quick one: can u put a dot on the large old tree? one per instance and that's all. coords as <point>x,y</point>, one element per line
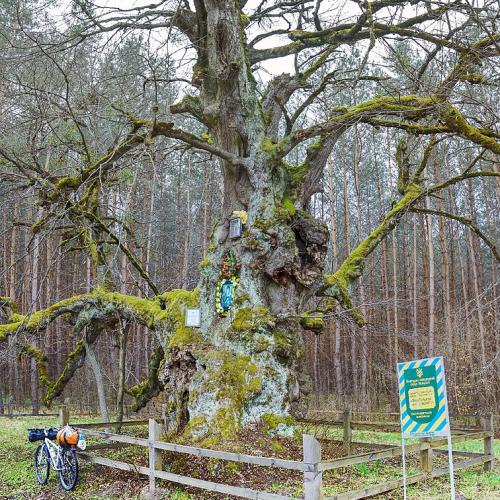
<point>246,361</point>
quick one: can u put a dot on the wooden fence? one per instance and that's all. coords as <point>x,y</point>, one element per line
<point>320,422</point>
<point>312,466</point>
<point>154,469</point>
<point>425,449</point>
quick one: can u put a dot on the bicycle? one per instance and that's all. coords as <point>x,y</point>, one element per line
<point>61,458</point>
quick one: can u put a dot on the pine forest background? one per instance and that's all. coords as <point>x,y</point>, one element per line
<point>431,287</point>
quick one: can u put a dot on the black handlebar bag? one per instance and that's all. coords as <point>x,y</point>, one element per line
<point>39,434</point>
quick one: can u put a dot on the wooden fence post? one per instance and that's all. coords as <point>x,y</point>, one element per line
<point>312,480</point>
<point>155,459</point>
<point>426,457</point>
<point>347,432</point>
<point>63,416</point>
<point>488,442</point>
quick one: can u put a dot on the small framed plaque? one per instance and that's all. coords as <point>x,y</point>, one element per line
<point>193,317</point>
<point>235,227</point>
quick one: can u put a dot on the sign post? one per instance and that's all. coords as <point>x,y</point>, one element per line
<point>423,406</point>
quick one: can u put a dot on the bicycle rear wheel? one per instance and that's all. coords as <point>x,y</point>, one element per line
<point>42,464</point>
<point>68,475</point>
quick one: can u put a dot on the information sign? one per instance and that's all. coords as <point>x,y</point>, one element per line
<point>422,398</point>
<point>423,405</point>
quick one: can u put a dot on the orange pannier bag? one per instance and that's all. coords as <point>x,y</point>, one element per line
<point>67,436</point>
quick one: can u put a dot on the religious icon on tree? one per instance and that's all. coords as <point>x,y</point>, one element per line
<point>226,287</point>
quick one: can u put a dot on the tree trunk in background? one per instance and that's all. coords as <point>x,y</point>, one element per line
<point>363,333</point>
<point>49,286</point>
<point>395,297</point>
<point>187,229</point>
<point>415,289</point>
<point>404,272</point>
<point>57,294</point>
<point>92,359</point>
<point>492,220</point>
<point>123,336</point>
<point>476,265</point>
<point>394,252</point>
<point>465,296</point>
<point>347,232</point>
<point>206,202</point>
<point>432,283</point>
<point>477,299</point>
<point>6,244</point>
<point>387,300</point>
<point>13,253</point>
<point>445,272</point>
<point>146,344</point>
<point>35,304</point>
<point>335,259</point>
<point>96,369</point>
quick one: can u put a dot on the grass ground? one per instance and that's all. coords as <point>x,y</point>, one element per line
<point>17,479</point>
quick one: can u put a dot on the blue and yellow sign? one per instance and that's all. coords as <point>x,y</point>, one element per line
<point>422,398</point>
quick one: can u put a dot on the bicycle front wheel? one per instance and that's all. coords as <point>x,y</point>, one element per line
<point>68,473</point>
<point>42,464</point>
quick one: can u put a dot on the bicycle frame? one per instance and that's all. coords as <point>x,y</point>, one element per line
<point>54,454</point>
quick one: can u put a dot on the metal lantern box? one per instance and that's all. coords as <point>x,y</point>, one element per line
<point>235,228</point>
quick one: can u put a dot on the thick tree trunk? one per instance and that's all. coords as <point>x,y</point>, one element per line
<point>245,362</point>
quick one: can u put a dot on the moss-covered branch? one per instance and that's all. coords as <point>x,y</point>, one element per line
<point>464,220</point>
<point>166,308</point>
<point>36,353</point>
<point>338,284</point>
<point>348,33</point>
<point>9,303</point>
<point>150,386</point>
<point>408,111</point>
<point>466,175</point>
<point>142,132</point>
<point>128,253</point>
<point>38,320</point>
<point>74,360</point>
<point>100,309</point>
<point>54,388</point>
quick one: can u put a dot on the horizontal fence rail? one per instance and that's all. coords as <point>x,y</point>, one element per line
<point>204,452</point>
<point>186,480</point>
<point>312,466</point>
<point>126,423</point>
<point>396,451</point>
<point>153,469</point>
